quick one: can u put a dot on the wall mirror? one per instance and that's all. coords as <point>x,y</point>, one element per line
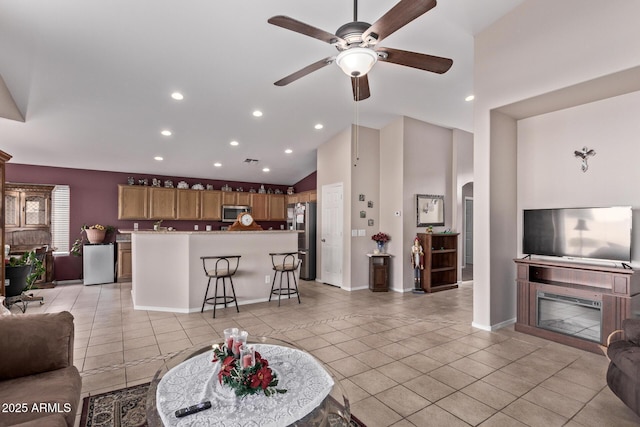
<point>430,210</point>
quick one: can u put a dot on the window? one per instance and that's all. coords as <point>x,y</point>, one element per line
<point>60,219</point>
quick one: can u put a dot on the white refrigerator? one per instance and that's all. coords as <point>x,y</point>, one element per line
<point>98,264</point>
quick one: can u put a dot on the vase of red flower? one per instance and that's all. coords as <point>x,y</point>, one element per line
<point>381,240</point>
<point>245,373</point>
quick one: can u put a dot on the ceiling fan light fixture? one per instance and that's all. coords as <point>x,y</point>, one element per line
<point>356,61</point>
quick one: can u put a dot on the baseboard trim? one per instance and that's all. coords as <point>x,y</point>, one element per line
<point>495,327</point>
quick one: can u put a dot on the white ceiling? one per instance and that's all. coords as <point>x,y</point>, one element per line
<point>93,80</point>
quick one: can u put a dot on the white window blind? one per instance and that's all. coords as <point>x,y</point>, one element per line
<point>60,218</point>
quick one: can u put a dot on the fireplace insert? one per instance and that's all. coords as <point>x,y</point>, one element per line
<point>570,315</point>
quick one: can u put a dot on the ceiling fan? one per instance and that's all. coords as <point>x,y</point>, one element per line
<point>357,45</point>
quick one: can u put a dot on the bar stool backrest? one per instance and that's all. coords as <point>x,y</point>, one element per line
<point>285,261</point>
<point>220,266</point>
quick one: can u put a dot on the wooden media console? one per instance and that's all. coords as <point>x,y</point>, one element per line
<point>572,303</point>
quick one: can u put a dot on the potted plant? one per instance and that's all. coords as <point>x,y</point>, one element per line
<point>93,234</point>
<point>22,272</point>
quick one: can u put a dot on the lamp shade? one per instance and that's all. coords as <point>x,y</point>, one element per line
<point>357,61</point>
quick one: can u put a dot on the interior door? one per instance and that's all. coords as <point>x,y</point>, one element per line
<point>332,234</point>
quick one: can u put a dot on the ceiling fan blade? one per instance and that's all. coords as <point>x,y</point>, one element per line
<point>360,87</point>
<point>306,70</point>
<point>306,29</point>
<point>397,17</point>
<point>421,61</point>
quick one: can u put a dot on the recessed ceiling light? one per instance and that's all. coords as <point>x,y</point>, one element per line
<point>177,96</point>
<point>265,169</point>
<point>158,158</point>
<point>469,98</point>
<point>234,143</point>
<point>166,132</point>
<point>319,126</point>
<point>257,113</point>
<point>288,151</point>
<point>217,164</point>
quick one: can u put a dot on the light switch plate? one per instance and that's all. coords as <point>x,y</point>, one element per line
<point>362,233</point>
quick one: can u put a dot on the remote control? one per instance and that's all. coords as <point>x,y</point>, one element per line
<point>193,409</point>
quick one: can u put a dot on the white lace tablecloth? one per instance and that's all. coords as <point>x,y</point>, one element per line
<point>306,381</point>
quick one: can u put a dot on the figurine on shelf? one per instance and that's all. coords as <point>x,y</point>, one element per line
<point>417,262</point>
<point>131,181</point>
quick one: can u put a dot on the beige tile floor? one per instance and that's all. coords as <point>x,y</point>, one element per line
<point>404,359</point>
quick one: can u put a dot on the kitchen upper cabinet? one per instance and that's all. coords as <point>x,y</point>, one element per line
<point>188,204</point>
<point>211,205</point>
<point>27,206</point>
<point>277,207</point>
<point>133,202</point>
<point>260,206</point>
<point>162,203</point>
<point>236,198</point>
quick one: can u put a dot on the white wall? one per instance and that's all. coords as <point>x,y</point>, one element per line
<point>428,154</point>
<point>365,179</point>
<point>334,166</point>
<point>541,46</point>
<point>391,179</point>
<point>549,176</point>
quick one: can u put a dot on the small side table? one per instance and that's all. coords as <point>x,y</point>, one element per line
<point>379,272</point>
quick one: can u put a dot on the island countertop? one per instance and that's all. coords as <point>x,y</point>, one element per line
<point>207,232</point>
<point>168,274</point>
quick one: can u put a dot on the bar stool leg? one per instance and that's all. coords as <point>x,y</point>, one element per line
<point>233,290</point>
<point>295,282</point>
<point>215,300</point>
<point>273,283</point>
<point>280,292</point>
<point>204,301</point>
<point>224,291</point>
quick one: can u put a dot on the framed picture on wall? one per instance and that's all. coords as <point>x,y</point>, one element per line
<point>429,210</point>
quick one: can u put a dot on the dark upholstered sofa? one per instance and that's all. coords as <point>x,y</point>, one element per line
<point>39,386</point>
<point>623,376</point>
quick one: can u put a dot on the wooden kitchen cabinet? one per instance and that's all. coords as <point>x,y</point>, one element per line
<point>133,202</point>
<point>188,206</point>
<point>277,207</point>
<point>162,203</point>
<point>236,198</point>
<point>211,205</point>
<point>260,206</point>
<point>125,269</point>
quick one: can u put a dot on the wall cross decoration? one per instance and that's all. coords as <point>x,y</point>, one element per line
<point>584,156</point>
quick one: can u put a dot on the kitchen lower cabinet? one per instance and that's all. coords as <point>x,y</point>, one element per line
<point>125,269</point>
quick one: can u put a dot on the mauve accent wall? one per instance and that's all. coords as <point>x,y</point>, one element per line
<point>308,183</point>
<point>94,200</point>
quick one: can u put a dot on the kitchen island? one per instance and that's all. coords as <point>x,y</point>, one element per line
<point>168,273</point>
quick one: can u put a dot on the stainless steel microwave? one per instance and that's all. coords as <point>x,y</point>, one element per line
<point>230,213</point>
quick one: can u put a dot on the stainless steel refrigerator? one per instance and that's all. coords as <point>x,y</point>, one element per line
<point>302,216</point>
<point>98,264</point>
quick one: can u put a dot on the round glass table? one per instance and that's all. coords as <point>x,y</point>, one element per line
<point>314,396</point>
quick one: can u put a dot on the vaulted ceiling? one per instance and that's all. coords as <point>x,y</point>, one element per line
<point>93,81</point>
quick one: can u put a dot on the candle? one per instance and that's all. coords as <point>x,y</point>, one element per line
<point>229,342</point>
<point>236,347</point>
<point>246,361</point>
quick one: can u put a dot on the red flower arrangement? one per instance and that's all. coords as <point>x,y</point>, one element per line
<point>245,380</point>
<point>381,237</point>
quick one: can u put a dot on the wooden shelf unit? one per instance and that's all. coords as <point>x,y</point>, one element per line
<point>616,289</point>
<point>379,272</point>
<point>440,261</point>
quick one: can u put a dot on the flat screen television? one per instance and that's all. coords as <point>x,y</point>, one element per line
<point>593,233</point>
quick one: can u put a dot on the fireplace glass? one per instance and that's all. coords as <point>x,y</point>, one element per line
<point>577,317</point>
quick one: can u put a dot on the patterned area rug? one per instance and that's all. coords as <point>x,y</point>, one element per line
<point>126,408</point>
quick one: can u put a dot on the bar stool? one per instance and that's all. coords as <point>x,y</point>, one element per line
<point>285,263</point>
<point>220,267</point>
